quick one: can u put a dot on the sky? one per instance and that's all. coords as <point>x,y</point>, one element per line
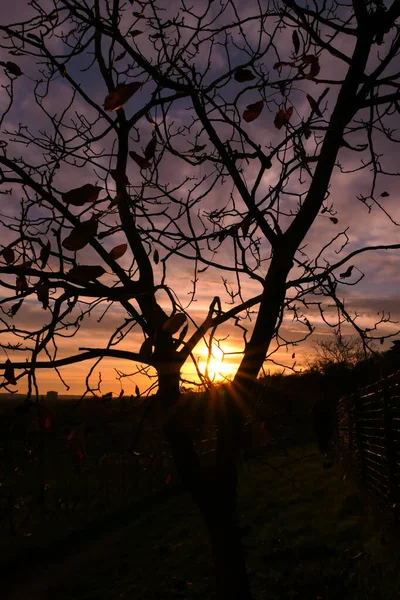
<point>377,291</point>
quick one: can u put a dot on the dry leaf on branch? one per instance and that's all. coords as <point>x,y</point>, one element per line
<point>119,177</point>
<point>140,160</point>
<point>312,60</point>
<point>283,63</point>
<point>15,308</point>
<point>9,372</point>
<point>296,41</point>
<point>45,418</point>
<point>12,68</point>
<point>85,273</point>
<point>44,254</point>
<point>115,100</point>
<point>174,323</point>
<point>81,235</point>
<point>21,284</point>
<point>118,251</point>
<point>253,111</point>
<point>314,105</point>
<point>151,148</point>
<point>283,117</point>
<point>243,75</point>
<point>347,273</point>
<point>9,255</point>
<point>42,292</point>
<point>82,195</point>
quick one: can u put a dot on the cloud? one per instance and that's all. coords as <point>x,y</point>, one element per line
<point>378,290</point>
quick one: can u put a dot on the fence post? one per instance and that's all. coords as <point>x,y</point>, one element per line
<point>349,421</point>
<point>360,446</point>
<point>390,450</point>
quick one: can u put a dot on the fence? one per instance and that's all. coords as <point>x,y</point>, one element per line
<point>369,434</point>
<point>61,469</point>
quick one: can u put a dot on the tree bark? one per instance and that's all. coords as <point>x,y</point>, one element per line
<point>215,491</point>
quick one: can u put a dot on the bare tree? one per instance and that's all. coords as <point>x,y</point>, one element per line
<point>344,350</point>
<point>213,131</point>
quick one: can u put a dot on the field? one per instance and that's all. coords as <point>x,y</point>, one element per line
<point>306,533</point>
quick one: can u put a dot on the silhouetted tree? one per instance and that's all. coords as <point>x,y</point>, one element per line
<point>129,133</point>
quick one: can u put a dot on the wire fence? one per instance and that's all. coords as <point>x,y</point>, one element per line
<point>61,470</point>
<point>369,438</point>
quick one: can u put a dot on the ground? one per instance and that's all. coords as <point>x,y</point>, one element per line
<point>313,540</point>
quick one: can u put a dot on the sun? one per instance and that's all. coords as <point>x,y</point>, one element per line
<point>217,370</point>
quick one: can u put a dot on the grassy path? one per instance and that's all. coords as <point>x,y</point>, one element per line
<point>307,542</point>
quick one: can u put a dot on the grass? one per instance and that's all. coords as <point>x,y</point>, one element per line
<point>310,541</point>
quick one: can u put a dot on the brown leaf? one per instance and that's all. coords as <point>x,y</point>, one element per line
<point>24,265</point>
<point>42,292</point>
<point>62,70</point>
<point>21,284</point>
<point>15,308</point>
<point>347,273</point>
<point>294,355</point>
<point>307,132</point>
<point>120,56</point>
<point>156,257</point>
<point>137,392</point>
<point>243,75</point>
<point>45,418</point>
<point>174,323</point>
<point>13,68</point>
<point>9,255</point>
<point>281,64</point>
<point>385,195</point>
<point>140,160</point>
<point>314,105</point>
<point>312,60</point>
<point>334,220</point>
<point>115,201</point>
<point>118,251</point>
<point>183,333</point>
<point>146,349</point>
<point>151,148</point>
<point>119,177</point>
<point>253,111</point>
<point>85,273</point>
<point>138,15</point>
<point>9,372</point>
<point>135,32</point>
<point>296,41</point>
<point>283,117</point>
<point>221,236</point>
<point>198,148</point>
<point>82,195</point>
<point>44,254</point>
<point>244,226</point>
<point>81,235</point>
<point>115,100</point>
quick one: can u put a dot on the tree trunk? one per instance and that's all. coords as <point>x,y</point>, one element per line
<point>232,582</point>
<point>214,492</point>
